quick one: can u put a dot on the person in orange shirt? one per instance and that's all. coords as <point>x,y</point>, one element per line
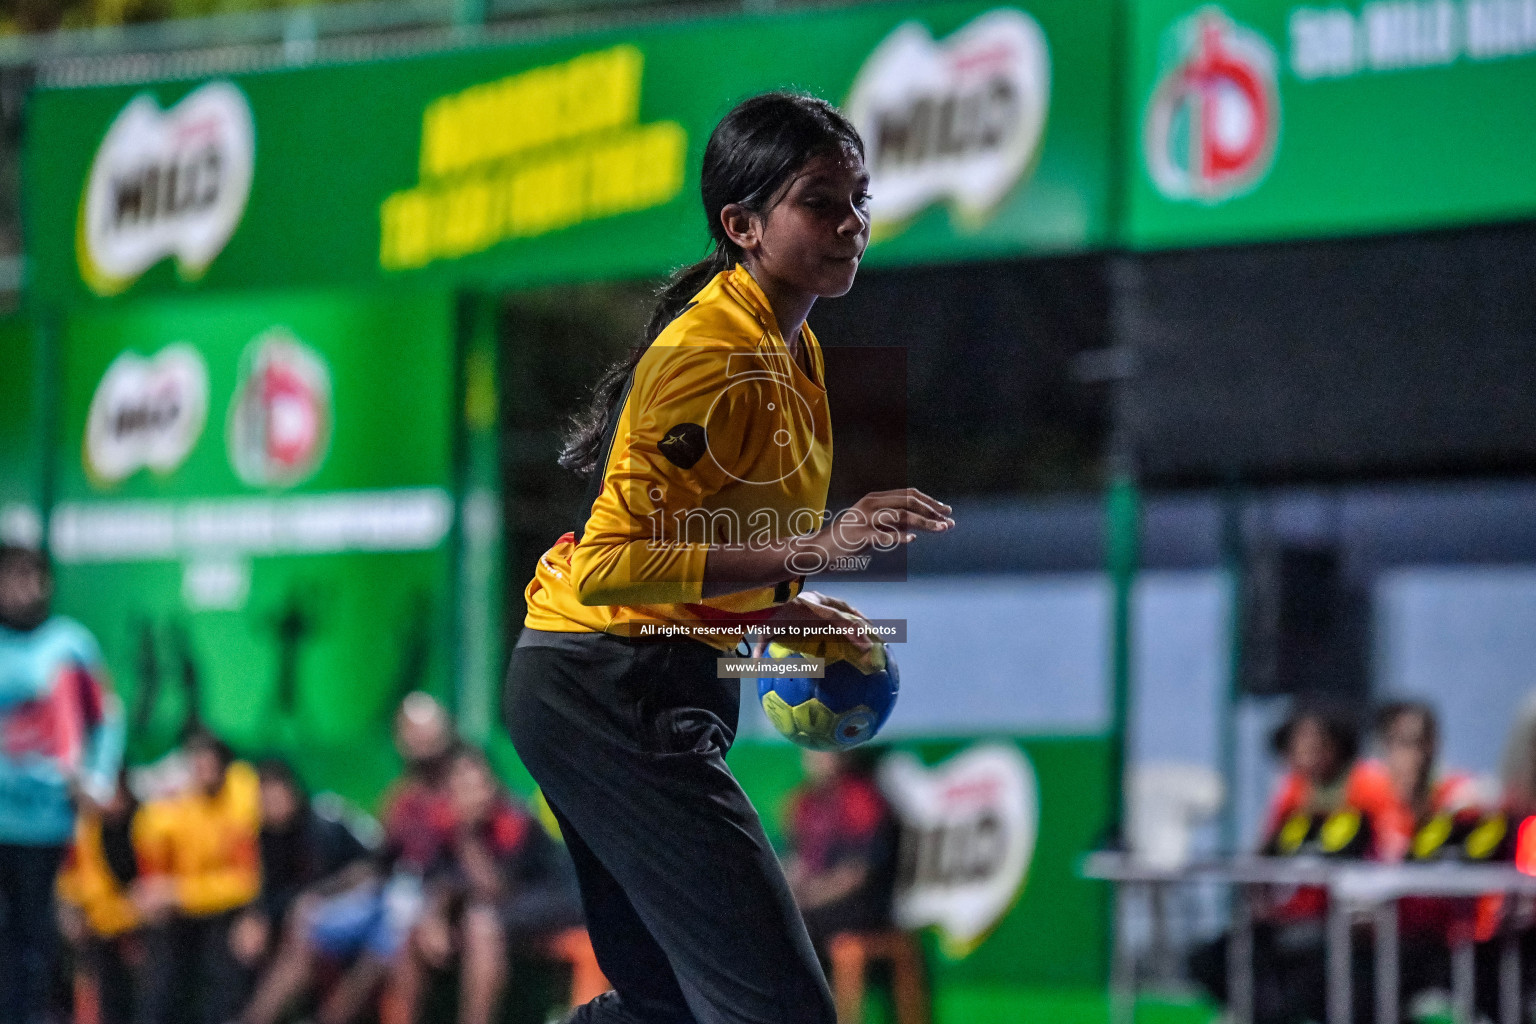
<point>1330,805</point>
<point>1450,823</point>
<point>199,868</point>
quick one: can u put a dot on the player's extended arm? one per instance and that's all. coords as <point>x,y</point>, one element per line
<point>887,519</point>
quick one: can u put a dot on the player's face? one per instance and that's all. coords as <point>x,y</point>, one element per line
<point>471,790</point>
<point>814,237</point>
<point>279,803</point>
<point>1408,749</point>
<point>422,733</point>
<point>1312,753</point>
<point>820,766</point>
<point>24,595</point>
<point>207,770</point>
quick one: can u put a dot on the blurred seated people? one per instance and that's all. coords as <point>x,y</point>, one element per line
<point>360,918</point>
<point>95,912</point>
<point>1450,823</point>
<point>300,847</point>
<point>1327,805</point>
<point>198,870</point>
<point>501,887</point>
<point>842,838</point>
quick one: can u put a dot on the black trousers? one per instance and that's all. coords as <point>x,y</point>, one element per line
<point>109,963</point>
<point>28,930</point>
<point>190,974</point>
<point>688,910</point>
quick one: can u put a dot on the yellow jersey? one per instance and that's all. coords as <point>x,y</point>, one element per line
<point>208,844</point>
<point>723,438</point>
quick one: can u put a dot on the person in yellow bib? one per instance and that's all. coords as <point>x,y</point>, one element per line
<point>199,868</point>
<point>709,453</point>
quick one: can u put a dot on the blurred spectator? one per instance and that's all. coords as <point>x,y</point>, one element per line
<point>366,913</point>
<point>199,870</point>
<point>1446,817</point>
<point>1518,768</point>
<point>842,839</point>
<point>499,886</point>
<point>1328,804</point>
<point>299,848</point>
<point>425,738</point>
<point>1409,735</point>
<point>61,742</point>
<point>96,914</point>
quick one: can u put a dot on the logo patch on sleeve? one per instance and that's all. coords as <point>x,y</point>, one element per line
<point>684,445</point>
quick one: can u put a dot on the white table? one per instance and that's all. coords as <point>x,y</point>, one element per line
<point>1354,888</point>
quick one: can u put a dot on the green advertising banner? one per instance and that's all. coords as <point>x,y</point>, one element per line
<point>21,433</point>
<point>1269,119</point>
<point>566,159</point>
<point>254,514</point>
<point>1009,909</point>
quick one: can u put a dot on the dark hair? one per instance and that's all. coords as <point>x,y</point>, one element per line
<point>275,769</point>
<point>200,738</point>
<point>1391,711</point>
<point>1337,723</point>
<point>752,154</point>
<point>14,555</point>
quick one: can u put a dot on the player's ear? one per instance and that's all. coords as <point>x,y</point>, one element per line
<point>743,227</point>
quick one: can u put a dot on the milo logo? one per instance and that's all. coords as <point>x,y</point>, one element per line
<point>146,413</point>
<point>969,827</point>
<point>959,120</point>
<point>166,183</point>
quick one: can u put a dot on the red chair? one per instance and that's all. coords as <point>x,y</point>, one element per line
<point>573,947</point>
<point>853,952</point>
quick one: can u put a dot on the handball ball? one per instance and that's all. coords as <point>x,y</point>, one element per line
<point>837,712</point>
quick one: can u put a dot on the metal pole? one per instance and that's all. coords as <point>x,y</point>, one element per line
<point>1122,986</point>
<point>1124,532</point>
<point>1509,977</point>
<point>1240,958</point>
<point>1339,955</point>
<point>1463,980</point>
<point>1387,967</point>
<point>1122,524</point>
<point>1232,561</point>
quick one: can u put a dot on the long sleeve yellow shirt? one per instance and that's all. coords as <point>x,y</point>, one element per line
<point>86,881</point>
<point>724,438</point>
<point>208,844</point>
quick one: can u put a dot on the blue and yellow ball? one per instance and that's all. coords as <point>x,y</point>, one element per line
<point>837,712</point>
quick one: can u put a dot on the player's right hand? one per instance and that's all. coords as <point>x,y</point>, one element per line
<point>812,607</point>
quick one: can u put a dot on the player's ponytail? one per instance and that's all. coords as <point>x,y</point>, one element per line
<point>753,154</point>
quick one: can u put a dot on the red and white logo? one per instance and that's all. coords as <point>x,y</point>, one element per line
<point>1214,118</point>
<point>280,418</point>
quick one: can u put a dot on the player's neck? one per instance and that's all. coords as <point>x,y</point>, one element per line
<point>790,305</point>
